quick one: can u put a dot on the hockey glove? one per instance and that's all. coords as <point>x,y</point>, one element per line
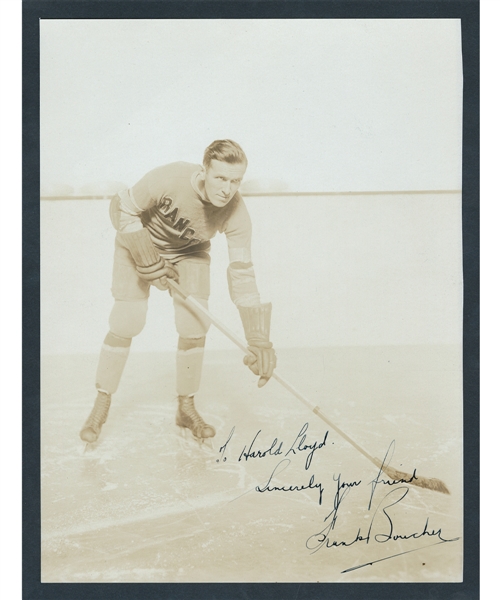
<point>261,358</point>
<point>150,266</point>
<point>158,274</point>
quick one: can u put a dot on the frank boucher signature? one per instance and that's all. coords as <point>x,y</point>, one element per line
<point>382,521</point>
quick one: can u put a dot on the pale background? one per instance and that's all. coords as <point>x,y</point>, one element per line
<point>331,106</point>
<point>325,105</point>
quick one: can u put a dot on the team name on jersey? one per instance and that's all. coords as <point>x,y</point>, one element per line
<point>178,223</point>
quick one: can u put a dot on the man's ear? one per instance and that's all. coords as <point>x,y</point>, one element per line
<point>203,173</point>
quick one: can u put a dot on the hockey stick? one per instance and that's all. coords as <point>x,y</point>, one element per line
<point>424,482</point>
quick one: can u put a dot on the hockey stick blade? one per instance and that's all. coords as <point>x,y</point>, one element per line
<point>429,483</point>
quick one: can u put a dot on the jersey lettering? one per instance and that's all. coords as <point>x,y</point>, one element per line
<point>186,235</point>
<point>172,215</point>
<point>164,204</point>
<point>182,224</point>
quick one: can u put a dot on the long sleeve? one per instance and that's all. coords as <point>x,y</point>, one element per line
<point>240,273</point>
<point>124,215</point>
<point>128,205</point>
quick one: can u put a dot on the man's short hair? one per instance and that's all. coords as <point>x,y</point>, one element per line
<point>225,151</point>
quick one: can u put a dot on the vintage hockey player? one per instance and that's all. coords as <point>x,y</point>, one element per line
<point>164,226</point>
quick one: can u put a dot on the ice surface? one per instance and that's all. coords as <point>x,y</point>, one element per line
<point>145,505</point>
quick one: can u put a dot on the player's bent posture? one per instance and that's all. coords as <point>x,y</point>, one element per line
<point>164,225</point>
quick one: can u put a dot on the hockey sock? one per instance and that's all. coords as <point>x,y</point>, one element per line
<point>114,354</point>
<point>189,365</point>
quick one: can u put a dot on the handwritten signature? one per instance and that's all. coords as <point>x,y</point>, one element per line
<point>382,526</point>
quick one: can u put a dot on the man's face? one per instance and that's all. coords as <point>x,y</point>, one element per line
<point>222,181</point>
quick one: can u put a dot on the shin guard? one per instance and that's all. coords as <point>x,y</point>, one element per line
<point>112,360</point>
<point>189,365</point>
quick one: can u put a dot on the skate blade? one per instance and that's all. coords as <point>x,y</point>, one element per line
<point>188,441</point>
<point>208,443</point>
<point>86,448</point>
<point>89,447</point>
<point>83,449</point>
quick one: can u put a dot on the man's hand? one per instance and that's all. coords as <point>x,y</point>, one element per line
<point>261,361</point>
<point>159,274</point>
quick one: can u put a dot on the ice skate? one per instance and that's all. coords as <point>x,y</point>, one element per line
<point>187,417</point>
<point>92,427</point>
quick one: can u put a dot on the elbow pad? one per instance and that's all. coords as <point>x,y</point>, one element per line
<point>242,284</point>
<point>122,219</point>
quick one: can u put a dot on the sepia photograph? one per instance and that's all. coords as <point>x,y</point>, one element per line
<point>251,320</point>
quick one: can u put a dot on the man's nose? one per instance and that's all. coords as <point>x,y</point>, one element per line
<point>226,188</point>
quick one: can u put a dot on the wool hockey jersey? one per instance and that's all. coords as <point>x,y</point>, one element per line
<point>167,202</point>
<point>181,222</point>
